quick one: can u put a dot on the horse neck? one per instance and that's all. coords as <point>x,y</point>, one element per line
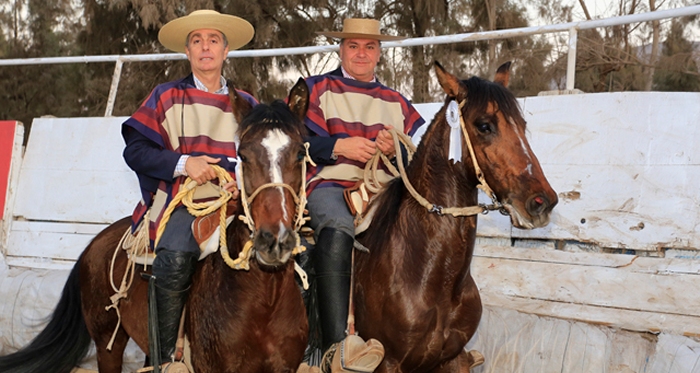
<point>428,245</point>
<point>439,180</point>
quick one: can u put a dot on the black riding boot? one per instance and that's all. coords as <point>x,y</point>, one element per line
<point>173,271</point>
<point>333,262</point>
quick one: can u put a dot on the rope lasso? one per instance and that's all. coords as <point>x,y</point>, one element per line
<point>370,175</point>
<point>186,196</point>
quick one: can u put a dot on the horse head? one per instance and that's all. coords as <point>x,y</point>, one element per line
<point>494,136</point>
<point>271,174</point>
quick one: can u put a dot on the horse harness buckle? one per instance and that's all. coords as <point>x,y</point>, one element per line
<point>437,209</point>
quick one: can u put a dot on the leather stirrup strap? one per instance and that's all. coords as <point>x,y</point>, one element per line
<point>153,335</point>
<point>351,305</point>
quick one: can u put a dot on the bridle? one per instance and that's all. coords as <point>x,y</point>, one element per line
<point>247,200</point>
<point>437,209</point>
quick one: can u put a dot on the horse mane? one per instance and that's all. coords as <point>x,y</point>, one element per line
<point>273,116</point>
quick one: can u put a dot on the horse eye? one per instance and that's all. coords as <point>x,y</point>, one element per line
<point>243,158</point>
<point>484,127</point>
<point>301,155</point>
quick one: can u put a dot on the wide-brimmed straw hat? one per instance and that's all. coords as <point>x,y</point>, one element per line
<point>360,28</point>
<point>238,31</point>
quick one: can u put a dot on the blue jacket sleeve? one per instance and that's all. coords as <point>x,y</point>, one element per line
<point>321,148</point>
<point>147,158</point>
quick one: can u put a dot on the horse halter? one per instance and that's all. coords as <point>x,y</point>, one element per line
<point>299,201</point>
<point>483,185</point>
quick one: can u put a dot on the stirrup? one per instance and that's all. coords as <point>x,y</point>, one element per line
<point>353,354</point>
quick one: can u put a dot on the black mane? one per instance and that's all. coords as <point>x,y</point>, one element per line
<point>272,116</point>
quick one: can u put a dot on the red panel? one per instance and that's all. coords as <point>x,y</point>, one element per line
<point>7,140</point>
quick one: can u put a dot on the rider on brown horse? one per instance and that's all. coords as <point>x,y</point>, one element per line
<point>183,128</point>
<point>348,118</point>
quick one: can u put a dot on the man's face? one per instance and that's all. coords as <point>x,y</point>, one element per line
<point>206,51</point>
<point>359,57</point>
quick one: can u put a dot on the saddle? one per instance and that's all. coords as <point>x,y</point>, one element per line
<point>206,228</point>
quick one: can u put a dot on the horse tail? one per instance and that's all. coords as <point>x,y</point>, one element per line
<point>62,344</point>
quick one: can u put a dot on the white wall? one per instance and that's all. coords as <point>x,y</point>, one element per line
<point>626,171</point>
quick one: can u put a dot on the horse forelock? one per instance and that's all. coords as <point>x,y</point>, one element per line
<point>481,93</point>
<point>264,118</point>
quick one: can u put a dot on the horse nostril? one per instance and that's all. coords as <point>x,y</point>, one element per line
<point>267,235</point>
<point>536,205</point>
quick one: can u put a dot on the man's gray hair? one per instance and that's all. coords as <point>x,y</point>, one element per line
<point>187,41</point>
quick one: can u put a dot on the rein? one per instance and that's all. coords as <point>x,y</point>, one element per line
<point>440,210</point>
<point>186,196</point>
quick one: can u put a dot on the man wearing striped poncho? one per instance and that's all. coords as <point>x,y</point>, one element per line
<point>181,129</point>
<point>348,117</point>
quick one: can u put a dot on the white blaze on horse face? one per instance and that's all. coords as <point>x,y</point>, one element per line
<point>521,136</point>
<point>275,142</point>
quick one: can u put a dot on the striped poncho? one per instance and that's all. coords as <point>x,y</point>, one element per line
<point>176,119</point>
<point>340,108</point>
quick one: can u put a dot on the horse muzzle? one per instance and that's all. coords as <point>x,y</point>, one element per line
<point>274,250</point>
<point>534,213</point>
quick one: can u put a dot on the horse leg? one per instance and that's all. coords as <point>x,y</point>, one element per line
<point>110,361</point>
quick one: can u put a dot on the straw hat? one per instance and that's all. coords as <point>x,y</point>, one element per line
<point>360,28</point>
<point>238,31</point>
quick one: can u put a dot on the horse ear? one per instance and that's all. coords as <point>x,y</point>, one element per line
<point>239,105</point>
<point>450,83</point>
<point>298,99</point>
<point>503,74</point>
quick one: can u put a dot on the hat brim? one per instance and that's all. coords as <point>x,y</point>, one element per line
<point>237,30</point>
<point>352,35</point>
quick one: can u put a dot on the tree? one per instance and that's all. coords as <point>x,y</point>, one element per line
<point>677,70</point>
<point>36,29</point>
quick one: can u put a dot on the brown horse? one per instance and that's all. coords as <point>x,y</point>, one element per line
<point>414,291</point>
<point>236,321</point>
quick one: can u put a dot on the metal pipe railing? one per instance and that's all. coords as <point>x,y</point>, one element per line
<point>570,27</point>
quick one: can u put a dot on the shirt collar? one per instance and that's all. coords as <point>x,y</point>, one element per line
<point>348,76</point>
<point>221,91</point>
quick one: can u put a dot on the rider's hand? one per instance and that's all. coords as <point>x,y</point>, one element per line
<point>355,148</point>
<point>232,187</point>
<point>385,142</point>
<point>199,168</point>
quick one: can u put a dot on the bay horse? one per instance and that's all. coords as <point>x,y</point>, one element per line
<point>414,291</point>
<point>236,321</point>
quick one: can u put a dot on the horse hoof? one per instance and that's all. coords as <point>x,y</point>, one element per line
<point>476,358</point>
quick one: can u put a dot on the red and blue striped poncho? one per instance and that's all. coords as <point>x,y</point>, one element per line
<point>176,119</point>
<point>341,107</point>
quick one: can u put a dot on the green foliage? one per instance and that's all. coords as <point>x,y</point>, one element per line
<point>677,69</point>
